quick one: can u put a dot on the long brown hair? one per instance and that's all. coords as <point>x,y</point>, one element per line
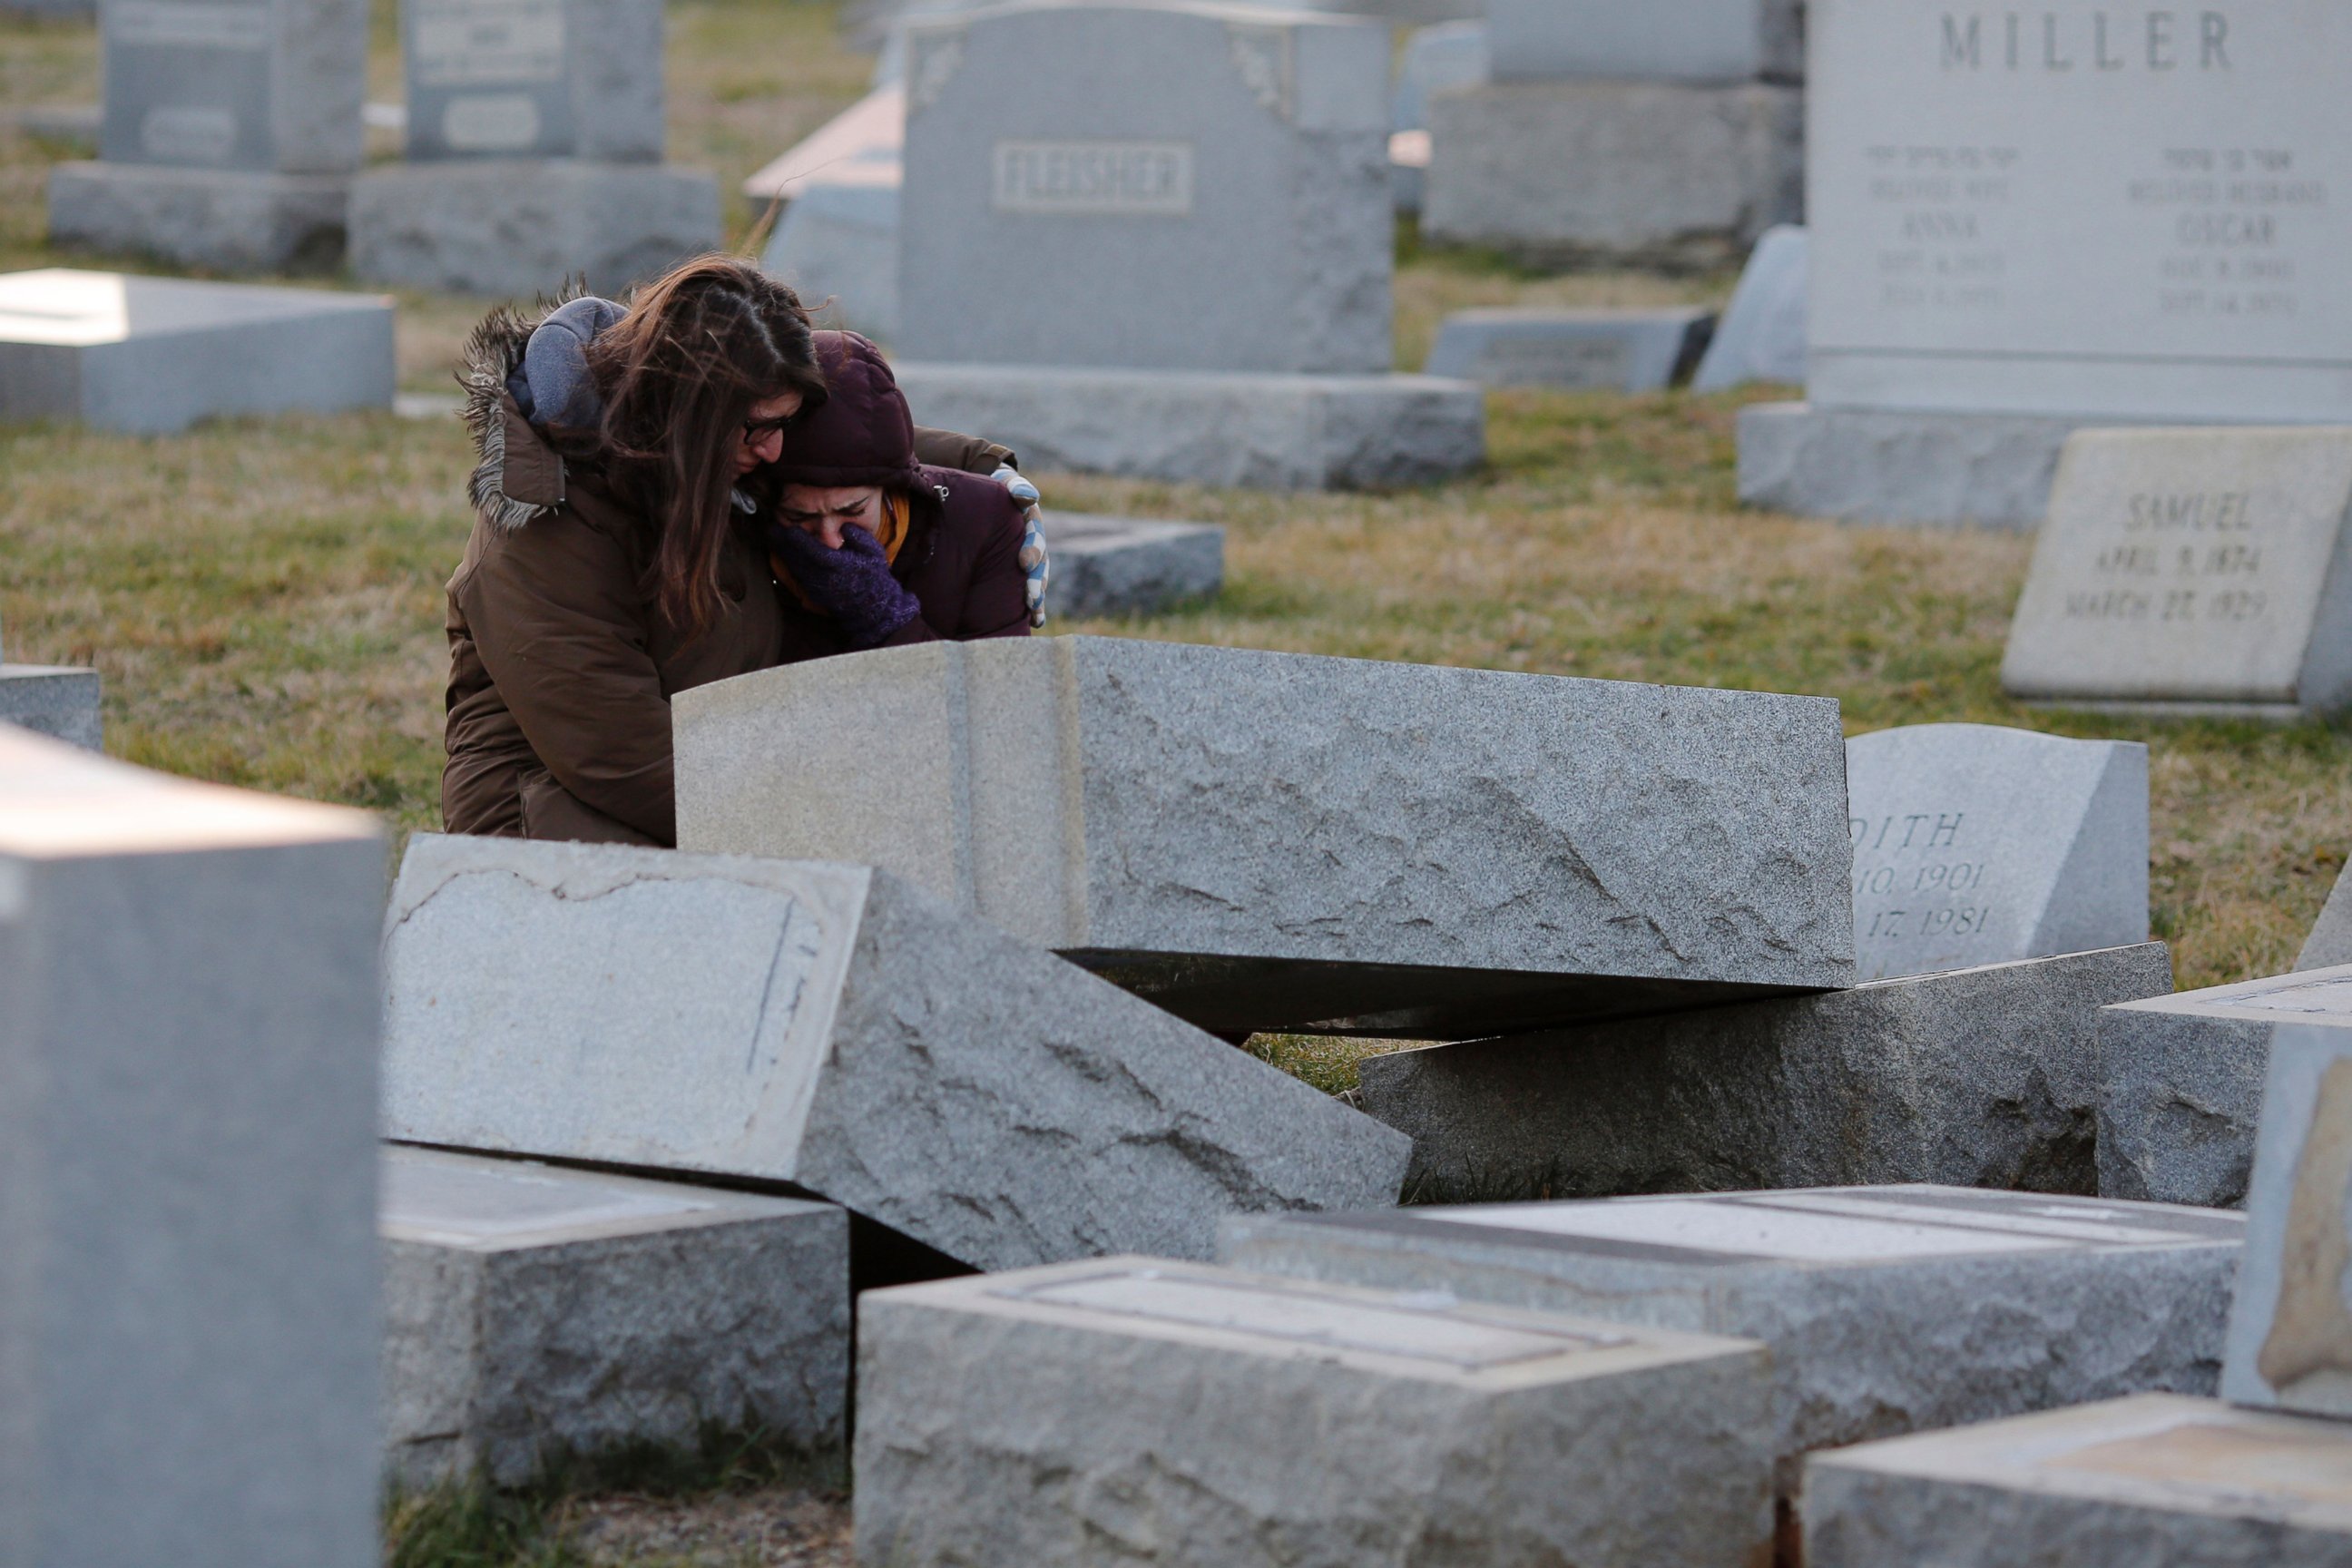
<point>678,375</point>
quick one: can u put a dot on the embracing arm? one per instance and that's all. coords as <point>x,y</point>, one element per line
<point>945,449</point>
<point>560,627</point>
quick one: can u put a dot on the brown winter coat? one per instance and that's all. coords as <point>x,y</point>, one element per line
<point>561,667</point>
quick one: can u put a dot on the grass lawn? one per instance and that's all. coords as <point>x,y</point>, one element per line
<point>265,599</point>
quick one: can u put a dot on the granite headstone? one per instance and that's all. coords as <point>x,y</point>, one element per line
<point>1761,336</point>
<point>2330,942</point>
<point>1616,351</point>
<point>57,700</point>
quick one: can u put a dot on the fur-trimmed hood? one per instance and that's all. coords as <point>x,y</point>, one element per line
<point>519,476</point>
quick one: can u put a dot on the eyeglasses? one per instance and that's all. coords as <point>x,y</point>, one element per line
<point>758,430</point>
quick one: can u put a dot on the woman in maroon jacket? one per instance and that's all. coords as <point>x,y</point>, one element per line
<point>874,548</point>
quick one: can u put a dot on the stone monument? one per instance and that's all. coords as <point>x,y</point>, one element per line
<point>1662,133</point>
<point>2330,942</point>
<point>1762,334</point>
<point>837,239</point>
<point>1158,239</point>
<point>1974,844</point>
<point>2192,571</point>
<point>1275,841</point>
<point>2025,222</point>
<point>57,700</point>
<point>152,355</point>
<point>188,1273</point>
<point>1129,565</point>
<point>535,141</point>
<point>230,135</point>
<point>1600,349</point>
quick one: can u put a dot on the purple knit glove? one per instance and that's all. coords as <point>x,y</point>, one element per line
<point>852,583</point>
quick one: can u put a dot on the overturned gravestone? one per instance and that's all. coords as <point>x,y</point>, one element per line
<point>1263,841</point>
<point>156,354</point>
<point>1130,566</point>
<point>535,140</point>
<point>56,700</point>
<point>1617,350</point>
<point>2156,1481</point>
<point>229,136</point>
<point>2180,1082</point>
<point>1973,1078</point>
<point>188,1011</point>
<point>1762,334</point>
<point>1886,1309</point>
<point>2330,942</point>
<point>534,1314</point>
<point>1974,844</point>
<point>2291,1327</point>
<point>2192,571</point>
<point>985,1432</point>
<point>832,1027</point>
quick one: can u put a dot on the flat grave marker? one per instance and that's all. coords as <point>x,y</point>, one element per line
<point>1618,351</point>
<point>1129,566</point>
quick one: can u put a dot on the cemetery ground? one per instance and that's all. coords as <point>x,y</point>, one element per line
<point>264,602</point>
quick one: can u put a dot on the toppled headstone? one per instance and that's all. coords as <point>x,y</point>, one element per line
<point>2000,257</point>
<point>1886,1309</point>
<point>534,154</point>
<point>1130,566</point>
<point>1973,1078</point>
<point>230,135</point>
<point>2181,1083</point>
<point>836,242</point>
<point>2291,1328</point>
<point>832,1027</point>
<point>534,1313</point>
<point>1190,1414</point>
<point>1268,841</point>
<point>156,354</point>
<point>2330,942</point>
<point>2158,1481</point>
<point>56,700</point>
<point>1974,844</point>
<point>2197,570</point>
<point>1228,164</point>
<point>1621,351</point>
<point>1694,40</point>
<point>188,1328</point>
<point>1762,334</point>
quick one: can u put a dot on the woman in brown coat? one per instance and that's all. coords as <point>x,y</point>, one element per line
<point>618,554</point>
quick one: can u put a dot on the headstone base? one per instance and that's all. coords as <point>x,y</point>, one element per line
<point>2155,1482</point>
<point>520,226</point>
<point>1620,351</point>
<point>53,700</point>
<point>1624,171</point>
<point>1127,567</point>
<point>229,220</point>
<point>1901,466</point>
<point>1240,428</point>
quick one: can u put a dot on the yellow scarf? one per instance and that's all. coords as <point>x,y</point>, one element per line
<point>891,533</point>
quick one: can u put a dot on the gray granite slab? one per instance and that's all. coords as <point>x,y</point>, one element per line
<point>1900,466</point>
<point>2291,1326</point>
<point>152,354</point>
<point>2330,942</point>
<point>1170,1413</point>
<point>1264,840</point>
<point>832,1027</point>
<point>1762,334</point>
<point>1887,1309</point>
<point>2156,1481</point>
<point>535,1313</point>
<point>533,79</point>
<point>1975,1078</point>
<point>1693,40</point>
<point>2187,566</point>
<point>1975,844</point>
<point>2180,1082</point>
<point>837,245</point>
<point>188,1281</point>
<point>222,220</point>
<point>1168,188</point>
<point>56,700</point>
<point>1130,566</point>
<point>1621,351</point>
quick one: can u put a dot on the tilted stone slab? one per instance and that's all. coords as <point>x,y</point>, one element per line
<point>188,1012</point>
<point>2181,1083</point>
<point>1974,844</point>
<point>1130,566</point>
<point>1762,334</point>
<point>1268,841</point>
<point>1899,465</point>
<point>56,700</point>
<point>835,1028</point>
<point>2330,942</point>
<point>2291,1328</point>
<point>1891,1309</point>
<point>1617,350</point>
<point>533,1312</point>
<point>1978,1077</point>
<point>1193,1414</point>
<point>2158,1481</point>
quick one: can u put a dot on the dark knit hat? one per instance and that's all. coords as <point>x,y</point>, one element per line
<point>863,433</point>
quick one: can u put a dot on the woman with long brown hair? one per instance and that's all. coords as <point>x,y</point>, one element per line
<point>618,554</point>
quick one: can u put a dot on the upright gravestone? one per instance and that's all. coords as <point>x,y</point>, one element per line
<point>188,1281</point>
<point>2025,222</point>
<point>1669,133</point>
<point>1974,844</point>
<point>230,135</point>
<point>1157,238</point>
<point>2201,572</point>
<point>535,140</point>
